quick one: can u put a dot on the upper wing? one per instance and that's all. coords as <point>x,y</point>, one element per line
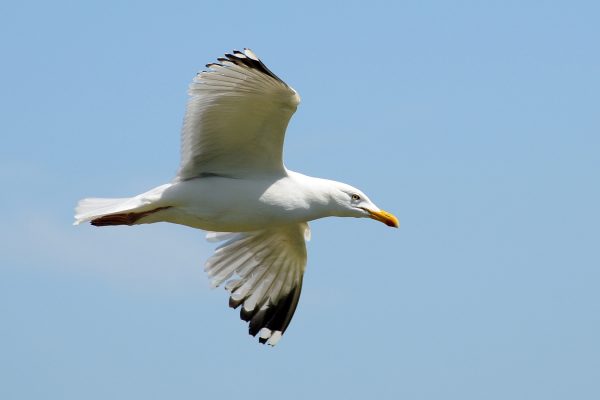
<point>235,119</point>
<point>263,270</point>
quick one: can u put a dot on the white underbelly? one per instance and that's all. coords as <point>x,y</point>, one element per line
<point>226,205</point>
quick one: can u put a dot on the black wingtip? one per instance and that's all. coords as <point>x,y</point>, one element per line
<point>246,315</point>
<point>249,62</point>
<point>274,317</point>
<point>234,303</point>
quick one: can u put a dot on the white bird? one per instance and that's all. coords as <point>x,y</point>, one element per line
<point>233,183</point>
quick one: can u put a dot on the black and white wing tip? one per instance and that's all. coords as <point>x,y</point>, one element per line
<point>246,59</point>
<point>263,272</point>
<point>271,319</point>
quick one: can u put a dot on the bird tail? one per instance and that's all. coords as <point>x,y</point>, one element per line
<point>123,211</point>
<point>95,208</point>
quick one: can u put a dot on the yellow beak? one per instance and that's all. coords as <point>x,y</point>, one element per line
<point>385,217</point>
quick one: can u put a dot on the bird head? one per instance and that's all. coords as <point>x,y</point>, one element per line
<point>352,202</point>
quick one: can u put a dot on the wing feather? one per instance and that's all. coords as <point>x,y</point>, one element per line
<point>236,119</point>
<point>263,271</point>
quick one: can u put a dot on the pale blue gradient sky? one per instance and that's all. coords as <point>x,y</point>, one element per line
<point>475,122</point>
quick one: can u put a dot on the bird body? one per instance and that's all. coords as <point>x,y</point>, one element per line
<point>232,182</point>
<point>224,204</point>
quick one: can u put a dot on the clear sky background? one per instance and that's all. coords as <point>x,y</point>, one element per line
<point>476,122</point>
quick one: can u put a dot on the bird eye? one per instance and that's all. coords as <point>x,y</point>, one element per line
<point>355,197</point>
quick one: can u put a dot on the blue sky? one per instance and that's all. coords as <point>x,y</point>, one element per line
<point>476,123</point>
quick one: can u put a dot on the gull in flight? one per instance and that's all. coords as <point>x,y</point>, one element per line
<point>232,182</point>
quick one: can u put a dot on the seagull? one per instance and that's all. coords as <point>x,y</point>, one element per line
<point>232,182</point>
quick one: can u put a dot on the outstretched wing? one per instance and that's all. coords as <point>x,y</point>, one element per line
<point>263,271</point>
<point>236,119</point>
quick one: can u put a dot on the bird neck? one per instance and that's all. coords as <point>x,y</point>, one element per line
<point>320,196</point>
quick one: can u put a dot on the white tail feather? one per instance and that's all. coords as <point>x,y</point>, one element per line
<point>92,208</point>
<point>88,209</point>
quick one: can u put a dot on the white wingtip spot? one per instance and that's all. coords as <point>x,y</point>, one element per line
<point>250,54</point>
<point>264,333</point>
<point>249,305</point>
<point>275,337</point>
